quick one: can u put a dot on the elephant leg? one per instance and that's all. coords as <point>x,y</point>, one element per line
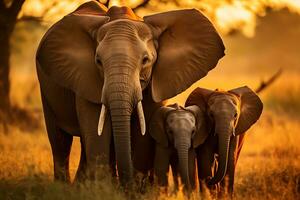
<point>241,139</point>
<point>192,168</point>
<point>97,148</point>
<point>161,164</point>
<point>112,160</point>
<point>206,162</point>
<point>81,171</point>
<point>142,147</point>
<point>175,170</point>
<point>151,177</point>
<point>142,153</point>
<point>60,142</point>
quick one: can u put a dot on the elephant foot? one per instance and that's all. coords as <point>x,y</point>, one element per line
<point>143,181</point>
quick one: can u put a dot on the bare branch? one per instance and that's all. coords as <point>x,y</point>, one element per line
<point>30,18</point>
<point>265,84</point>
<point>143,4</point>
<point>15,8</point>
<point>106,3</point>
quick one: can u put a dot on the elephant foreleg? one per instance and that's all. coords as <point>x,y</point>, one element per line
<point>206,163</point>
<point>97,148</point>
<point>112,162</point>
<point>81,172</point>
<point>161,165</point>
<point>60,142</point>
<point>192,168</point>
<point>175,170</point>
<point>241,139</point>
<point>142,147</point>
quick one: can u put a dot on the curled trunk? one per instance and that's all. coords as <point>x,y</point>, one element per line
<point>224,141</point>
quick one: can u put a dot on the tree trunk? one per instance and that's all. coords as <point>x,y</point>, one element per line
<point>8,19</point>
<point>4,70</point>
<point>6,28</point>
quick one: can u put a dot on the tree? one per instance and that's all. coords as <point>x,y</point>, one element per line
<point>9,16</point>
<point>8,20</point>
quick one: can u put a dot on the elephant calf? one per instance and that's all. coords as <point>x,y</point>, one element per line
<point>177,132</point>
<point>230,114</point>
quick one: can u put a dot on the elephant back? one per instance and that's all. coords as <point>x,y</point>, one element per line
<point>115,13</point>
<point>91,8</point>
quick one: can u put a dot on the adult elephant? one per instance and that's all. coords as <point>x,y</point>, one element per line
<point>111,59</point>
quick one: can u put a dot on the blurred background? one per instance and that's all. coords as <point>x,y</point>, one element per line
<point>261,37</point>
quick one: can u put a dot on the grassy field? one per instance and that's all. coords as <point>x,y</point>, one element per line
<point>269,166</point>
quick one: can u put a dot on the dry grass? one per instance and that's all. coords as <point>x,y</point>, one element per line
<point>269,166</point>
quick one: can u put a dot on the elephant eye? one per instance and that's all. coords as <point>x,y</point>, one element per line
<point>235,115</point>
<point>98,61</point>
<point>193,132</point>
<point>145,60</point>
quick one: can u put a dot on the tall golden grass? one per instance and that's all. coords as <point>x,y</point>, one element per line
<point>269,165</point>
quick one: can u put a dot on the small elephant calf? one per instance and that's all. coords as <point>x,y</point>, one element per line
<point>230,114</point>
<point>177,132</point>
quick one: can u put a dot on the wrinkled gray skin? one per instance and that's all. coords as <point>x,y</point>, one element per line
<point>223,110</point>
<point>180,128</point>
<point>176,132</point>
<point>126,59</point>
<point>230,114</point>
<point>122,89</point>
<point>111,59</point>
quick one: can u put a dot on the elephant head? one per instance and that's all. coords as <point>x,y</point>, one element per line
<point>181,128</point>
<point>231,112</point>
<point>109,56</point>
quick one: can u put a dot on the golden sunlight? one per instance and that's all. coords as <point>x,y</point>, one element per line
<point>235,16</point>
<point>227,15</point>
<point>261,39</point>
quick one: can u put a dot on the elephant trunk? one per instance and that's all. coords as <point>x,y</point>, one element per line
<point>121,94</point>
<point>182,150</point>
<point>223,141</point>
<point>120,116</point>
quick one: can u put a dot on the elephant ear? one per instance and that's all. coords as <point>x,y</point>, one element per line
<point>199,97</point>
<point>251,108</point>
<point>188,47</point>
<point>66,52</point>
<point>157,125</point>
<point>202,125</point>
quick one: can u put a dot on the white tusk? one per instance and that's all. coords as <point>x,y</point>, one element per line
<point>101,119</point>
<point>141,117</point>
